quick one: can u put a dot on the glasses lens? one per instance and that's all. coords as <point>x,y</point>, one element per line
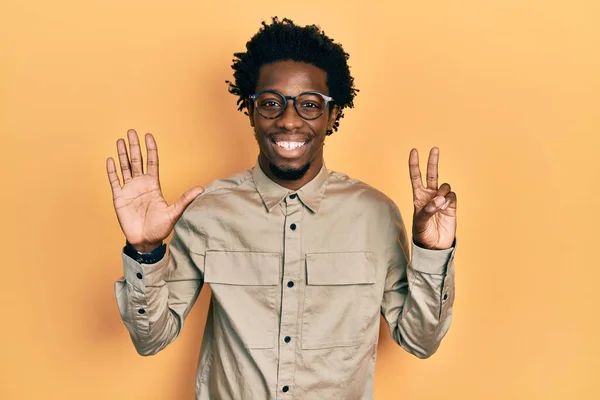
<point>310,106</point>
<point>270,105</point>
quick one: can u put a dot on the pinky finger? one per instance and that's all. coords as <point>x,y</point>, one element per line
<point>113,178</point>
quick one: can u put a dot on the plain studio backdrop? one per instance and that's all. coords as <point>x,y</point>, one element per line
<point>508,90</point>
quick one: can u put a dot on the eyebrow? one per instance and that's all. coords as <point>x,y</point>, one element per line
<point>297,94</point>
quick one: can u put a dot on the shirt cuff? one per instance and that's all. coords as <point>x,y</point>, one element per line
<point>142,275</point>
<point>431,261</point>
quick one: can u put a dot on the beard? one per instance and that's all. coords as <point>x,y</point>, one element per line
<point>286,173</point>
<point>289,174</point>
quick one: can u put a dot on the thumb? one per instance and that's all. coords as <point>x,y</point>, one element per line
<point>433,206</point>
<point>176,209</point>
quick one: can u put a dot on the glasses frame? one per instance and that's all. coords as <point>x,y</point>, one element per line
<point>254,98</point>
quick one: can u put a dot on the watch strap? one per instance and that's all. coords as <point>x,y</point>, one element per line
<point>145,258</point>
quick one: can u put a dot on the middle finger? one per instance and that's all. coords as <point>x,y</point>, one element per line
<point>136,153</point>
<point>432,168</point>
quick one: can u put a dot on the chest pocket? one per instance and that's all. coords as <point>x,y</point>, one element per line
<point>341,299</point>
<point>244,288</point>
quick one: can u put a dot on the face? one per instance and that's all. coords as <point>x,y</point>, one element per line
<point>291,148</point>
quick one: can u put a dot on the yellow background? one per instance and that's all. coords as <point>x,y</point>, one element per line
<point>508,89</point>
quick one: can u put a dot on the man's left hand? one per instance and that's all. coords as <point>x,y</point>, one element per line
<point>434,220</point>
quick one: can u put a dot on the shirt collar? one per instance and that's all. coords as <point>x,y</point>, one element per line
<point>272,193</point>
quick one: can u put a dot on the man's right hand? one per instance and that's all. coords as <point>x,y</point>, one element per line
<point>145,217</point>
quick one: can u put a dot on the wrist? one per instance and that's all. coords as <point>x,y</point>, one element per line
<point>146,247</point>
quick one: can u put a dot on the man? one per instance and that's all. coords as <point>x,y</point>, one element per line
<point>301,260</point>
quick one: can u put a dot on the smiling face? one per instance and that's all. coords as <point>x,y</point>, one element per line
<point>291,148</point>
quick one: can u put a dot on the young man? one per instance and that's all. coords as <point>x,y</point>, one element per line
<point>301,260</point>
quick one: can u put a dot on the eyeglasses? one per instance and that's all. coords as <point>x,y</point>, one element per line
<point>271,104</point>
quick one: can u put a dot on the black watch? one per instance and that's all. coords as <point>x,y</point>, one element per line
<point>145,258</point>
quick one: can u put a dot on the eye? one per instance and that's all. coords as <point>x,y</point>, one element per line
<point>310,104</point>
<point>270,104</point>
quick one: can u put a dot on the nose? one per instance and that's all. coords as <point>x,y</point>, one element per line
<point>289,120</point>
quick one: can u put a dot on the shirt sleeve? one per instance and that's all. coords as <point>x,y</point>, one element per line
<point>418,293</point>
<point>155,299</point>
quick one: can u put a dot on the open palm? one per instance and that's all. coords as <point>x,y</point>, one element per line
<point>145,217</point>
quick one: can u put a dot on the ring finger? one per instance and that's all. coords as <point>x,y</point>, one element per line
<point>124,160</point>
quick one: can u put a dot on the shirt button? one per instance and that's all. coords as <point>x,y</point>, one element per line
<point>285,389</point>
<point>139,275</point>
<point>445,296</point>
<point>141,311</point>
<point>287,339</point>
<point>293,227</point>
<point>290,284</point>
<point>293,196</point>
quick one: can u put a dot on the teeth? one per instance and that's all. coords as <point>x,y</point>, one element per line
<point>290,145</point>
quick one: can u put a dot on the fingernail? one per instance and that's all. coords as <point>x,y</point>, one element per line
<point>439,201</point>
<point>446,204</point>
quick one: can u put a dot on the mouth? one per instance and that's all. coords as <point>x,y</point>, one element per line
<point>290,145</point>
<point>289,149</point>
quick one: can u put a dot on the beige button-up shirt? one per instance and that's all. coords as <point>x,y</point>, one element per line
<point>299,280</point>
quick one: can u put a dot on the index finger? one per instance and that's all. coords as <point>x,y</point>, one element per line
<point>413,169</point>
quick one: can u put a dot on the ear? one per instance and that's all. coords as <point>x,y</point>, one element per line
<point>333,114</point>
<point>250,108</point>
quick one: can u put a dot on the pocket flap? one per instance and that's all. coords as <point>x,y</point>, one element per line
<point>344,268</point>
<point>242,268</point>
